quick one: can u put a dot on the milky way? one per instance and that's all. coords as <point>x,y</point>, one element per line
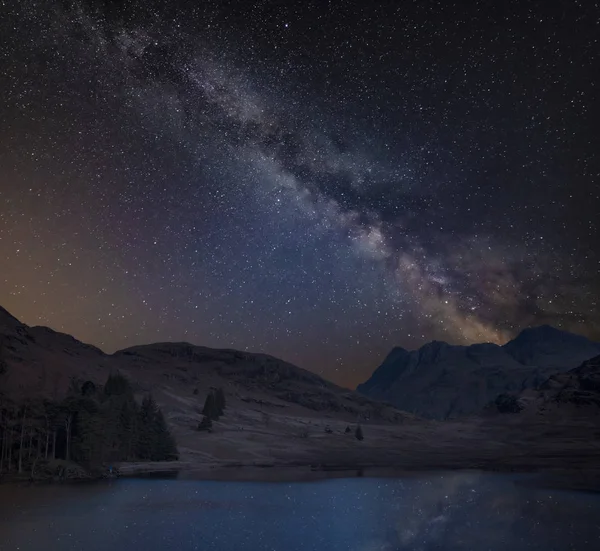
<point>319,182</point>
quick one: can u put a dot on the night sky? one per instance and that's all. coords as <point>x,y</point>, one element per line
<point>320,181</point>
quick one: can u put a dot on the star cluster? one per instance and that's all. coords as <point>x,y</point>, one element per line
<point>320,180</point>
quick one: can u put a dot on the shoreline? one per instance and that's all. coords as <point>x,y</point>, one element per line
<point>567,479</point>
<point>556,479</point>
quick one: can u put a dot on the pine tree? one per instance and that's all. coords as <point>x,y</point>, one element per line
<point>210,407</point>
<point>117,385</point>
<point>88,388</point>
<point>68,413</point>
<point>88,432</point>
<point>155,442</point>
<point>87,426</point>
<point>165,447</point>
<point>359,433</point>
<point>128,429</point>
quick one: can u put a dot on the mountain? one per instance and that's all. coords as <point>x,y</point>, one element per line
<point>440,380</point>
<point>272,406</point>
<point>255,378</point>
<point>561,398</point>
<point>546,346</point>
<point>578,389</point>
<point>279,415</point>
<point>40,361</point>
<point>8,322</point>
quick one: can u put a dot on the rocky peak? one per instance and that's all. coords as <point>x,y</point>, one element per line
<point>442,380</point>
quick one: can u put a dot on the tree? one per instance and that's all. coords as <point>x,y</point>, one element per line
<point>129,422</point>
<point>155,441</point>
<point>210,407</point>
<point>117,385</point>
<point>214,405</point>
<point>21,434</point>
<point>87,426</point>
<point>359,433</point>
<point>69,408</point>
<point>88,388</point>
<point>146,437</point>
<point>7,416</point>
<point>23,419</point>
<point>4,434</point>
<point>52,412</point>
<point>164,448</point>
<point>89,432</point>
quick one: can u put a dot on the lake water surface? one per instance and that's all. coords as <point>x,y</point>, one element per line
<point>466,511</point>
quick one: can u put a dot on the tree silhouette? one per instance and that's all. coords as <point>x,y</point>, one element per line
<point>88,388</point>
<point>155,441</point>
<point>210,408</point>
<point>117,384</point>
<point>89,426</point>
<point>359,433</point>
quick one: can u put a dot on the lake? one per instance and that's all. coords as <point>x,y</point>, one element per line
<point>469,511</point>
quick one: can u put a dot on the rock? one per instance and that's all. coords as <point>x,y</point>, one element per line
<point>577,387</point>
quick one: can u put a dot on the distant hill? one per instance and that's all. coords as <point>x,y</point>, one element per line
<point>442,381</point>
<point>37,361</point>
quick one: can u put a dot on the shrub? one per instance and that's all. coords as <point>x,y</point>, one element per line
<point>359,433</point>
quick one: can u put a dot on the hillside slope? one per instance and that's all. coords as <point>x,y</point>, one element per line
<point>271,404</point>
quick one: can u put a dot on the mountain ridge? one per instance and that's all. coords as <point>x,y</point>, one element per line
<point>440,380</point>
<point>279,415</point>
<point>41,361</point>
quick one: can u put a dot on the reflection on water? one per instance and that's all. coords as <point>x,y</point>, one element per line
<point>465,511</point>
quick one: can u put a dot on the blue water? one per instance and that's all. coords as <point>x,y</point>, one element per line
<point>466,511</point>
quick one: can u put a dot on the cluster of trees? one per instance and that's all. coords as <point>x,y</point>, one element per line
<point>214,407</point>
<point>91,426</point>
